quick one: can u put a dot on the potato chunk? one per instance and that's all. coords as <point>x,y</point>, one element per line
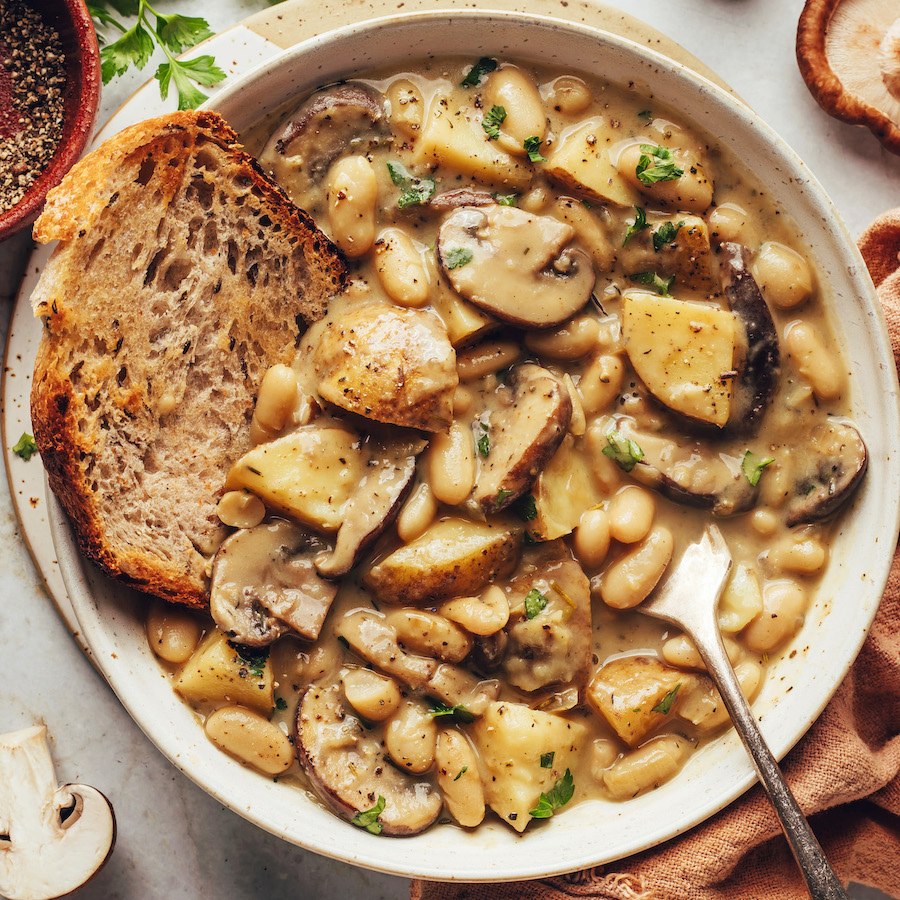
<point>677,246</point>
<point>581,163</point>
<point>631,694</point>
<point>218,673</point>
<point>511,739</point>
<point>683,352</point>
<point>453,558</point>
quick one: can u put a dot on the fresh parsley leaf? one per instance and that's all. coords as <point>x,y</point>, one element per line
<point>492,122</point>
<point>660,285</point>
<point>484,444</point>
<point>478,71</point>
<point>532,147</point>
<point>457,257</point>
<point>665,234</point>
<point>461,772</point>
<point>202,69</point>
<point>25,446</point>
<point>547,759</point>
<point>752,466</point>
<point>645,114</point>
<point>133,48</point>
<point>526,507</point>
<point>280,703</point>
<point>657,164</point>
<point>254,658</point>
<point>623,451</point>
<point>415,190</point>
<point>505,199</point>
<point>459,712</point>
<point>501,496</point>
<point>559,795</point>
<point>180,32</point>
<point>665,704</point>
<point>369,818</point>
<point>535,601</point>
<point>639,224</point>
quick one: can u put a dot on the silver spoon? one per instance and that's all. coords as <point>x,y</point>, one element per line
<point>688,598</point>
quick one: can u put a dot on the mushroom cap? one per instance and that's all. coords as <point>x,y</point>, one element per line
<point>849,56</point>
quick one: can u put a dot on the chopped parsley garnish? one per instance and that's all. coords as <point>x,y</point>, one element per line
<point>501,497</point>
<point>526,507</point>
<point>437,708</point>
<point>492,121</point>
<point>369,818</point>
<point>461,772</point>
<point>547,760</point>
<point>665,704</point>
<point>752,466</point>
<point>645,114</point>
<point>280,703</point>
<point>414,190</point>
<point>657,164</point>
<point>559,795</point>
<point>665,234</point>
<point>660,285</point>
<point>484,444</point>
<point>25,446</point>
<point>253,658</point>
<point>457,257</point>
<point>639,224</point>
<point>532,147</point>
<point>478,71</point>
<point>505,199</point>
<point>623,451</point>
<point>535,601</point>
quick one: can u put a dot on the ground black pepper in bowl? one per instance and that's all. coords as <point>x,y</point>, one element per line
<point>32,86</point>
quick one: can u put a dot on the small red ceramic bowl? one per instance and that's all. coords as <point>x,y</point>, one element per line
<point>73,22</point>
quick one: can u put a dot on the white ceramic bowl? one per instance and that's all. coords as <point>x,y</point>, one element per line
<point>797,686</point>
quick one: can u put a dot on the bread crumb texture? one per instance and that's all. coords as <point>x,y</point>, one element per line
<point>181,273</point>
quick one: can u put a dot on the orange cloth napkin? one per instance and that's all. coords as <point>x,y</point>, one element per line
<point>845,772</point>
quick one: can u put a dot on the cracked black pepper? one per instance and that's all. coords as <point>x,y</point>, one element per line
<point>32,84</point>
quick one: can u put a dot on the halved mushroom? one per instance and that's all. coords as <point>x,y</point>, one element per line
<point>514,264</point>
<point>388,364</point>
<point>326,124</point>
<point>54,838</point>
<point>757,378</point>
<point>349,771</point>
<point>264,584</point>
<point>831,467</point>
<point>447,200</point>
<point>528,420</point>
<point>375,503</point>
<point>849,57</point>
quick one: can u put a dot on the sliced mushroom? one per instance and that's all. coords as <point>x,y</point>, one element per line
<point>831,467</point>
<point>376,502</point>
<point>447,200</point>
<point>528,420</point>
<point>319,130</point>
<point>264,584</point>
<point>758,374</point>
<point>54,838</point>
<point>849,56</point>
<point>514,264</point>
<point>348,769</point>
<point>388,364</point>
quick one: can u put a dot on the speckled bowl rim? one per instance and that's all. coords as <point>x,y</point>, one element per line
<point>809,668</point>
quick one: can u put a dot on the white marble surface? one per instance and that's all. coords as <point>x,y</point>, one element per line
<point>176,842</point>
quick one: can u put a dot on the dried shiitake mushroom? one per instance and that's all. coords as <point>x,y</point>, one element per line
<point>849,56</point>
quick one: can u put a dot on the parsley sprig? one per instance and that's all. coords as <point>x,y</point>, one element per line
<point>172,33</point>
<point>623,451</point>
<point>657,164</point>
<point>414,190</point>
<point>752,466</point>
<point>25,446</point>
<point>559,795</point>
<point>368,818</point>
<point>493,119</point>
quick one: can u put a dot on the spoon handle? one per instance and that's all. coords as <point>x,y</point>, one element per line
<point>821,880</point>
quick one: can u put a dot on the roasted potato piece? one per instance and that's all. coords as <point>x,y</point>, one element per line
<point>455,557</point>
<point>677,246</point>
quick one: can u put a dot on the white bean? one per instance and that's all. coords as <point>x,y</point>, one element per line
<point>782,274</point>
<point>727,222</point>
<point>601,382</point>
<point>430,634</point>
<point>405,107</point>
<point>240,509</point>
<point>482,615</point>
<point>741,601</point>
<point>485,359</point>
<point>417,514</point>
<point>591,537</point>
<point>607,474</point>
<point>574,339</point>
<point>820,367</point>
<point>647,767</point>
<point>250,738</point>
<point>691,191</point>
<point>352,191</point>
<point>604,753</point>
<point>374,696</point>
<point>512,89</point>
<point>681,651</point>
<point>569,95</point>
<point>631,513</point>
<point>798,554</point>
<point>410,737</point>
<point>702,703</point>
<point>458,778</point>
<point>400,268</point>
<point>451,464</point>
<point>630,579</point>
<point>784,603</point>
<point>276,398</point>
<point>172,632</point>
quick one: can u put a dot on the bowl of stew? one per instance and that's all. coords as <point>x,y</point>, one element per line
<point>623,310</point>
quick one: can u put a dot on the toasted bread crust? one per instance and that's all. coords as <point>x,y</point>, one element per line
<point>182,273</point>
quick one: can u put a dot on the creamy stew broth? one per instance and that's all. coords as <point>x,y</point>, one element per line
<point>574,337</point>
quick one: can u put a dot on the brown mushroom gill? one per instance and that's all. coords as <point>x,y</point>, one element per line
<point>515,265</point>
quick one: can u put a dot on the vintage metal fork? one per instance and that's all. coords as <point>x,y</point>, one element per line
<point>688,598</point>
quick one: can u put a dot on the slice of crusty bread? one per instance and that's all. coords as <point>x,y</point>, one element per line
<point>181,274</point>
